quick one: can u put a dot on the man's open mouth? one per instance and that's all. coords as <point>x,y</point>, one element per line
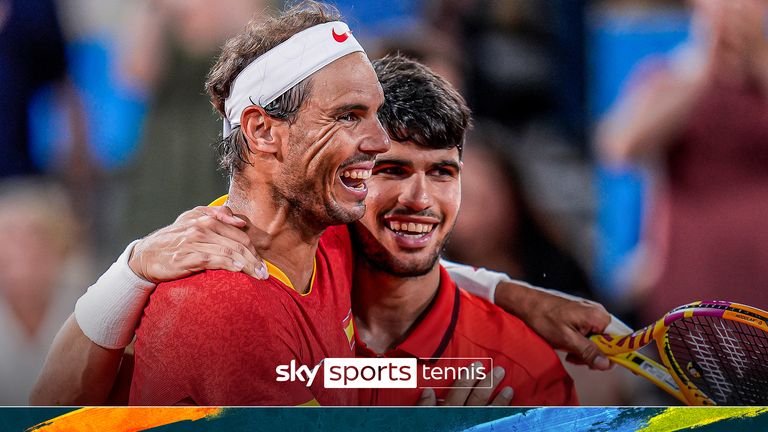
<point>354,178</point>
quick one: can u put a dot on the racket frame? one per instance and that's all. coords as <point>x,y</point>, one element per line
<point>622,349</point>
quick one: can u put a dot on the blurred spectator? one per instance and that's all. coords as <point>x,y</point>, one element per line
<point>499,228</point>
<point>700,119</point>
<point>621,36</point>
<point>41,276</point>
<point>32,57</point>
<point>170,57</point>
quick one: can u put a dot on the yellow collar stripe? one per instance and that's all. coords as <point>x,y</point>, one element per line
<point>278,274</point>
<point>220,201</point>
<point>273,270</point>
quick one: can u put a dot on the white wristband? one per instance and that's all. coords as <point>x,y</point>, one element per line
<point>109,311</point>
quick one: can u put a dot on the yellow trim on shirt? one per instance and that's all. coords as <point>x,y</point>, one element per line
<point>278,274</point>
<point>313,402</point>
<point>220,201</point>
<point>272,269</point>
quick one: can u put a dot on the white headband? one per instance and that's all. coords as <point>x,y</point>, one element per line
<point>286,65</point>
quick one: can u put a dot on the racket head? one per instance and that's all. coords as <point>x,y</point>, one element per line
<point>717,352</point>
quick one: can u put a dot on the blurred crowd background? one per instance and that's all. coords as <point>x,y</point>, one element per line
<point>619,150</point>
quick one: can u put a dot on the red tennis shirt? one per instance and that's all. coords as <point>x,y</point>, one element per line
<point>458,324</point>
<point>218,337</point>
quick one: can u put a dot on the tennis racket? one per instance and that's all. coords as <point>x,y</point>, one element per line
<point>713,353</point>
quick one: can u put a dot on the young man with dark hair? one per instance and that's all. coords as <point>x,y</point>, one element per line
<point>405,303</point>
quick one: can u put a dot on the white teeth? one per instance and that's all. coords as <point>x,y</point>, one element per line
<point>357,174</point>
<point>411,228</point>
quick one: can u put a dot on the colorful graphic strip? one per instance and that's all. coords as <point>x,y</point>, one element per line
<point>122,419</point>
<point>607,419</point>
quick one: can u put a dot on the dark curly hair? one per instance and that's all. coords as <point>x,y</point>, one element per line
<point>420,106</point>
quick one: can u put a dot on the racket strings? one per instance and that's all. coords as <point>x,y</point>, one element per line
<point>726,359</point>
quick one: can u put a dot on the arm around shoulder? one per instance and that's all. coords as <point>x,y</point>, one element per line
<point>562,320</point>
<point>83,361</point>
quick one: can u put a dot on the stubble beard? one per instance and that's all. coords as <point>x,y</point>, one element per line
<point>308,205</point>
<point>377,256</point>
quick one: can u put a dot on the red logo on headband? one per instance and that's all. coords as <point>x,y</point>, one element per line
<point>340,37</point>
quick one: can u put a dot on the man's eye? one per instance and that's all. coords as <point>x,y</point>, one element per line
<point>348,117</point>
<point>442,172</point>
<point>390,171</point>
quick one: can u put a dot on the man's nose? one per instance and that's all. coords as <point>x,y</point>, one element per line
<point>415,194</point>
<point>376,139</point>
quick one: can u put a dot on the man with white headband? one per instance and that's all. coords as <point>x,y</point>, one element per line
<point>299,97</point>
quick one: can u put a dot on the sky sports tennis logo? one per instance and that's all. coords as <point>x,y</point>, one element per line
<point>387,372</point>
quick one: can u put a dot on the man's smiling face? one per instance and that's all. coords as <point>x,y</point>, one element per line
<point>413,199</point>
<point>333,143</point>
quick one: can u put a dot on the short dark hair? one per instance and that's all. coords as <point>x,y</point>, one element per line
<point>420,106</point>
<point>259,37</point>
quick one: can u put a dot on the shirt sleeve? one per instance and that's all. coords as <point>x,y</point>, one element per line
<point>476,280</point>
<point>217,339</point>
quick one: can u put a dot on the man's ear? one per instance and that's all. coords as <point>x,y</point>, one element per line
<point>262,132</point>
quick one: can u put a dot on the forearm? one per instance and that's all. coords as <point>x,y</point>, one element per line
<point>562,320</point>
<point>82,364</point>
<point>516,298</point>
<point>512,295</point>
<point>524,301</point>
<point>76,371</point>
